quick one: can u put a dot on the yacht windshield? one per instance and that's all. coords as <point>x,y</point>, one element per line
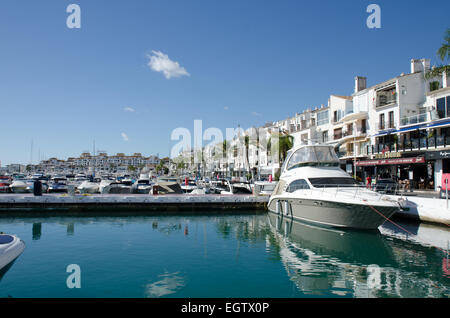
<point>313,156</point>
<point>333,182</point>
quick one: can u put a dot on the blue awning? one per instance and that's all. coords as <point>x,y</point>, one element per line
<point>410,128</point>
<point>386,132</point>
<point>404,129</point>
<point>438,124</point>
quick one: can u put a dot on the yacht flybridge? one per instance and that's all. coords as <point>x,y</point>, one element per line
<point>312,188</point>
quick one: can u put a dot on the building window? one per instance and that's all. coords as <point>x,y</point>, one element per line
<point>381,125</point>
<point>363,126</point>
<point>443,107</point>
<point>322,118</point>
<point>440,106</point>
<point>325,136</point>
<point>391,119</point>
<point>338,133</point>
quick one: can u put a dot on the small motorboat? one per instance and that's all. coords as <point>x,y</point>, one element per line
<point>20,186</point>
<point>88,187</point>
<point>5,182</point>
<point>58,184</point>
<point>10,248</point>
<point>265,187</point>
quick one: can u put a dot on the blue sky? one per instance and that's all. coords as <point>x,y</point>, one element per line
<point>248,62</point>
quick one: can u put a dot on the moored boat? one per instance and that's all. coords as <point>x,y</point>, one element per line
<point>10,248</point>
<point>312,188</point>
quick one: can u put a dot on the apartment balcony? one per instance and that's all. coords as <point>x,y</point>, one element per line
<point>414,144</point>
<point>353,133</point>
<point>385,98</point>
<point>416,119</point>
<point>351,116</point>
<point>353,154</point>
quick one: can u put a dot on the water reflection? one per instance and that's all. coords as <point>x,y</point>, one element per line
<point>70,229</point>
<point>167,285</point>
<point>312,260</point>
<point>36,231</point>
<point>327,262</point>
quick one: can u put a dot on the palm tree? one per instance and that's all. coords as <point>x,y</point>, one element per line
<point>444,54</point>
<point>247,145</point>
<point>225,155</point>
<point>285,142</point>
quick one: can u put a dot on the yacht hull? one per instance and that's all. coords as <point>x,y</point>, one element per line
<point>333,213</point>
<point>9,250</point>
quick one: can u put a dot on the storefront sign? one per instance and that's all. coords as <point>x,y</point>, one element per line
<point>399,161</point>
<point>434,155</point>
<point>388,155</point>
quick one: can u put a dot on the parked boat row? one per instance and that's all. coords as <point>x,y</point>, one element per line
<point>128,184</point>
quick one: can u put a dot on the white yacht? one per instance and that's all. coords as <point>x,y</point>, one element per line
<point>189,185</point>
<point>312,188</point>
<point>143,185</point>
<point>10,248</point>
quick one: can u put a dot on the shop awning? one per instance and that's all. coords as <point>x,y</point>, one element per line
<point>442,123</point>
<point>396,161</point>
<point>404,129</point>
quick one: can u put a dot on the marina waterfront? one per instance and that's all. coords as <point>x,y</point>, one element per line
<point>255,254</point>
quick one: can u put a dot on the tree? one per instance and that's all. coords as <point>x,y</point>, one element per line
<point>247,145</point>
<point>444,55</point>
<point>285,142</point>
<point>225,155</point>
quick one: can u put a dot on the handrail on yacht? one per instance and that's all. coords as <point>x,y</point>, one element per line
<point>349,189</point>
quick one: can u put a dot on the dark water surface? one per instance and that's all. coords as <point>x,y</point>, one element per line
<point>251,255</point>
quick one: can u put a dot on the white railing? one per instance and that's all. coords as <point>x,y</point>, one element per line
<point>416,119</point>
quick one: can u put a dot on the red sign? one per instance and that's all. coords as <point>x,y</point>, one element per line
<point>445,181</point>
<point>397,161</point>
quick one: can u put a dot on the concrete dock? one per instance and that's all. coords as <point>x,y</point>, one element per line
<point>123,203</point>
<point>431,210</point>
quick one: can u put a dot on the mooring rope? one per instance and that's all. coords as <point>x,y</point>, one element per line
<point>388,219</point>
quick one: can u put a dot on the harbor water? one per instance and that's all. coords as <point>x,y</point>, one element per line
<point>255,254</point>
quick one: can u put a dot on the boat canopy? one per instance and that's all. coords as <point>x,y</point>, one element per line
<point>313,156</point>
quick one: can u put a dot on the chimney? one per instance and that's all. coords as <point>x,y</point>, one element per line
<point>445,79</point>
<point>421,65</point>
<point>360,83</point>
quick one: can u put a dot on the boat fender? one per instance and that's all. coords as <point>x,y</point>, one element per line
<point>278,206</point>
<point>286,207</point>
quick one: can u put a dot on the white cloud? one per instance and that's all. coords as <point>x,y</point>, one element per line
<point>160,62</point>
<point>226,108</point>
<point>256,114</point>
<point>124,136</point>
<point>129,109</point>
